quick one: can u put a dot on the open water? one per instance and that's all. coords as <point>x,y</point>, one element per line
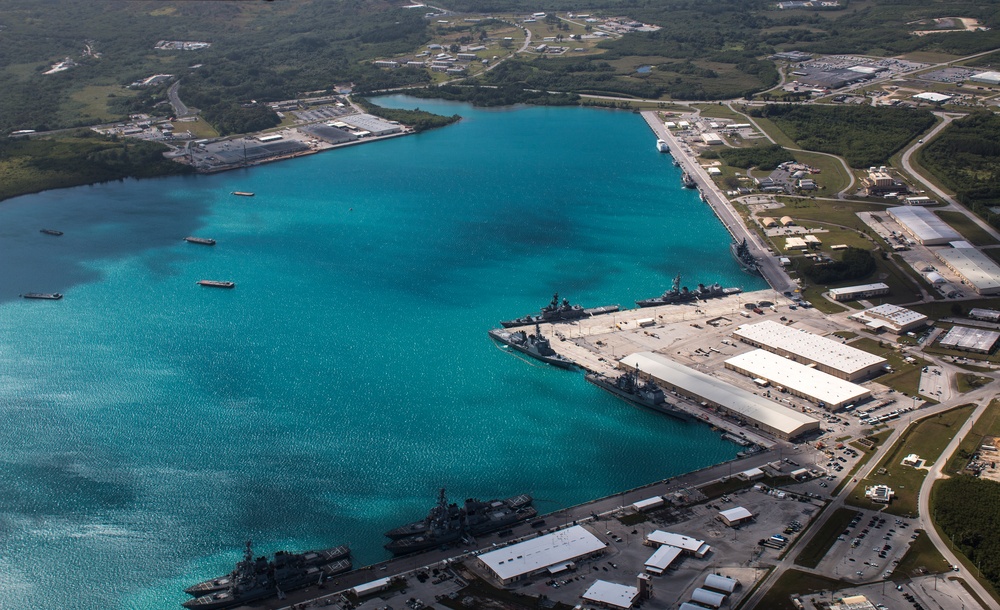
<point>148,426</point>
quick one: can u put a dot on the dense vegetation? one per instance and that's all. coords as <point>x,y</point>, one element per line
<point>966,158</point>
<point>855,264</point>
<point>762,157</point>
<point>418,119</point>
<point>496,96</point>
<point>863,135</point>
<point>968,511</point>
<point>28,166</point>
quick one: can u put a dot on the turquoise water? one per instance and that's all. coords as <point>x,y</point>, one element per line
<point>151,425</point>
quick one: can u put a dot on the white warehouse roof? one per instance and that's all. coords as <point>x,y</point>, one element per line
<point>736,514</point>
<point>659,561</point>
<point>975,267</point>
<point>708,598</point>
<point>612,594</point>
<point>900,316</point>
<point>827,352</point>
<point>924,225</point>
<point>930,96</point>
<point>799,378</point>
<point>877,287</point>
<point>720,583</point>
<point>541,552</point>
<point>972,339</point>
<point>685,543</point>
<point>737,400</point>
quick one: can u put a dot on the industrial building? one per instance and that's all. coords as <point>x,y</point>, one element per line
<point>798,379</point>
<point>709,599</point>
<point>372,124</point>
<point>611,595</point>
<point>761,413</point>
<point>829,356</point>
<point>925,226</point>
<point>734,517</point>
<point>330,135</point>
<point>988,315</point>
<point>711,139</point>
<point>934,98</point>
<point>987,78</point>
<point>892,317</point>
<point>978,340</point>
<point>864,291</point>
<point>720,583</point>
<point>691,546</point>
<point>662,559</point>
<point>977,269</point>
<point>536,555</point>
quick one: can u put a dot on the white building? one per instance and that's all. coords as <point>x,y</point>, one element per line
<point>864,291</point>
<point>989,315</point>
<point>649,503</point>
<point>925,226</point>
<point>893,317</point>
<point>979,340</point>
<point>691,546</point>
<point>829,356</point>
<point>611,595</point>
<point>766,415</point>
<point>371,587</point>
<point>661,560</point>
<point>712,139</point>
<point>708,598</point>
<point>798,379</point>
<point>535,555</point>
<point>934,98</point>
<point>987,78</point>
<point>735,516</point>
<point>721,583</point>
<point>977,269</point>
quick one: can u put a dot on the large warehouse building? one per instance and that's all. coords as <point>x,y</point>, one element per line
<point>800,380</point>
<point>829,356</point>
<point>850,293</point>
<point>535,555</point>
<point>977,269</point>
<point>979,340</point>
<point>893,317</point>
<point>925,226</point>
<point>761,413</point>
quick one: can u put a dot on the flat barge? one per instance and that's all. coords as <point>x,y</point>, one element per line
<point>243,193</point>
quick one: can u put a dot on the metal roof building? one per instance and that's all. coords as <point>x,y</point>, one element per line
<point>659,561</point>
<point>974,267</point>
<point>721,583</point>
<point>782,422</point>
<point>989,315</point>
<point>925,226</point>
<point>829,356</point>
<point>516,561</point>
<point>685,543</point>
<point>898,319</point>
<point>735,516</point>
<point>708,598</point>
<point>979,340</point>
<point>800,380</point>
<point>371,123</point>
<point>849,293</point>
<point>612,595</point>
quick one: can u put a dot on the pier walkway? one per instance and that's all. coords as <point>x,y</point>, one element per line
<point>720,204</point>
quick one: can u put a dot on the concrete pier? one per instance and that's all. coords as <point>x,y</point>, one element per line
<point>720,204</point>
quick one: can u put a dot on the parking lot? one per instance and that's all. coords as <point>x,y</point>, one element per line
<point>869,547</point>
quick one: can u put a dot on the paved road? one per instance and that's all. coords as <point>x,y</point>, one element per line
<point>924,499</point>
<point>952,204</point>
<point>985,393</point>
<point>180,110</point>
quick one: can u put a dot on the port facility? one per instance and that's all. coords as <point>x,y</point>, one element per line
<point>756,411</point>
<point>802,346</point>
<point>800,380</point>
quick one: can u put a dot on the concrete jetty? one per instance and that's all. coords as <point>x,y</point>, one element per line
<point>720,204</point>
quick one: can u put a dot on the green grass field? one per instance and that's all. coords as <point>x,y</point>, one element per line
<point>795,582</point>
<point>988,424</point>
<point>927,438</point>
<point>921,558</point>
<point>969,229</point>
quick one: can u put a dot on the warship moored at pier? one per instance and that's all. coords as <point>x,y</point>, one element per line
<point>447,523</point>
<point>533,344</point>
<point>261,578</point>
<point>679,294</point>
<point>647,394</point>
<point>559,312</point>
<point>747,261</point>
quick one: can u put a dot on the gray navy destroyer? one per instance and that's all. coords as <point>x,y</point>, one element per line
<point>678,294</point>
<point>559,312</point>
<point>261,578</point>
<point>447,523</point>
<point>647,394</point>
<point>531,344</point>
<point>747,261</point>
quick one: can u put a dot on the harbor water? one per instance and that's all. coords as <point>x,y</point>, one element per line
<point>152,425</point>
